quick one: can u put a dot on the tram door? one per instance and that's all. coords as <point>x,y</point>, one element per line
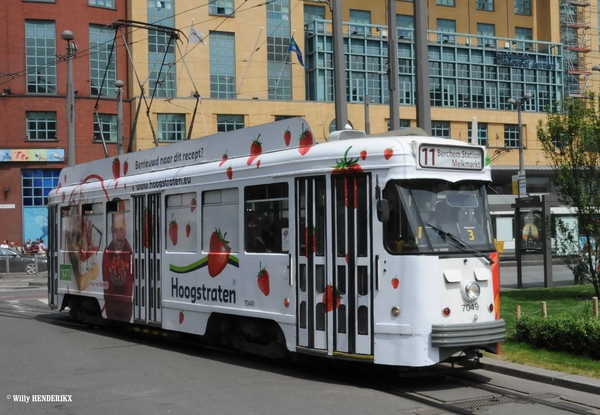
<point>334,297</point>
<point>52,255</point>
<point>352,268</point>
<point>147,255</point>
<point>311,231</point>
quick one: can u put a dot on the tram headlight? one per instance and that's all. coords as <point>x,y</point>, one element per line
<point>472,291</point>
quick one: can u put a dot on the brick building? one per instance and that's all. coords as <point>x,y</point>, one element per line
<point>33,84</point>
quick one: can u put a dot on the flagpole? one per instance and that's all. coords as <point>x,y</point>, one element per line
<point>283,65</point>
<point>250,60</point>
<point>183,56</point>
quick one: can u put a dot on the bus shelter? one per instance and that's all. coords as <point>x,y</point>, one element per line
<point>532,233</point>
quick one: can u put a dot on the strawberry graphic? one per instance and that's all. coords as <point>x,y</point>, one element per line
<point>255,150</point>
<point>395,282</point>
<point>125,167</point>
<point>314,239</point>
<point>218,253</point>
<point>306,141</point>
<point>388,153</point>
<point>146,234</point>
<point>258,164</point>
<point>63,197</point>
<point>188,230</point>
<point>116,168</point>
<point>181,316</point>
<point>229,172</point>
<point>263,281</point>
<point>363,154</point>
<point>331,298</point>
<point>224,159</point>
<point>193,208</point>
<point>348,165</point>
<point>287,136</point>
<point>173,230</point>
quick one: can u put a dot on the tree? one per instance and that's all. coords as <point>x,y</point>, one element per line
<point>570,140</point>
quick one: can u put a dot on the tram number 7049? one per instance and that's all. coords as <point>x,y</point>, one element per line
<point>471,307</point>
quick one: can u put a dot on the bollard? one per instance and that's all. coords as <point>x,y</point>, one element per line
<point>544,310</point>
<point>595,301</point>
<point>518,311</point>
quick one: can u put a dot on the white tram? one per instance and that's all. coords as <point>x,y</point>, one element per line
<point>373,248</point>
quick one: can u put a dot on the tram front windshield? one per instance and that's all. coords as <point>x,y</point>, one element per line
<point>432,216</point>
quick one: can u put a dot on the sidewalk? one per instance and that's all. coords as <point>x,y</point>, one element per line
<point>551,377</point>
<point>23,280</point>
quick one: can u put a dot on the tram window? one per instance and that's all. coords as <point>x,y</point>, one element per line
<point>267,218</point>
<point>181,222</point>
<point>398,235</point>
<point>220,213</point>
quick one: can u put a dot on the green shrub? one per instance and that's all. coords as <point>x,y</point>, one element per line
<point>574,335</point>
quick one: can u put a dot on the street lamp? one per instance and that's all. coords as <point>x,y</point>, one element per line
<point>119,87</point>
<point>71,51</point>
<point>519,103</point>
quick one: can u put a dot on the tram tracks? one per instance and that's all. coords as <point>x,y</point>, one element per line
<point>464,394</point>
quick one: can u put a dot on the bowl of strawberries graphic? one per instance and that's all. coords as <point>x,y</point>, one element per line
<point>118,270</point>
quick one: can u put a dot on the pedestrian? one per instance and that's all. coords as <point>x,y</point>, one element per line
<point>26,246</point>
<point>4,244</point>
<point>34,249</point>
<point>42,247</point>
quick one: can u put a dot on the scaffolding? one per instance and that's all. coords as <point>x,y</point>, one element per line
<point>575,19</point>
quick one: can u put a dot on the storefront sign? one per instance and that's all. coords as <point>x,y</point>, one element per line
<point>32,154</point>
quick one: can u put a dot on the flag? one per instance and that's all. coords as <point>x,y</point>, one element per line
<point>293,47</point>
<point>195,36</point>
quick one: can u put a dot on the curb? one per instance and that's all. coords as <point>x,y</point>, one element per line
<point>551,377</point>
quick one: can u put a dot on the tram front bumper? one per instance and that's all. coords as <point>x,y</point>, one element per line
<point>467,335</point>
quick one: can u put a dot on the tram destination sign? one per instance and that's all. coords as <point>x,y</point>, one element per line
<point>450,157</point>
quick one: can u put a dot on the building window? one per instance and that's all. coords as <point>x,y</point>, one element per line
<point>102,76</point>
<point>440,129</point>
<point>524,33</point>
<point>482,133</point>
<point>105,125</point>
<point>40,41</point>
<point>486,33</point>
<point>229,122</point>
<point>171,127</point>
<point>221,8</point>
<point>448,27</point>
<point>405,25</point>
<point>222,65</point>
<point>279,60</point>
<point>445,3</point>
<point>285,117</point>
<point>523,7</point>
<point>37,183</point>
<point>356,18</point>
<point>485,5</point>
<point>41,125</point>
<point>402,124</point>
<point>312,13</point>
<point>511,136</point>
<point>161,50</point>
<point>109,4</point>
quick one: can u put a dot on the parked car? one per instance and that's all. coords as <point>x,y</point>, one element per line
<point>21,263</point>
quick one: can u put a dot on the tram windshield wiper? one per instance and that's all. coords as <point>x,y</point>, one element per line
<point>448,237</point>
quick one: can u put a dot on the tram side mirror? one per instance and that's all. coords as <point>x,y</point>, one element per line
<point>383,210</point>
